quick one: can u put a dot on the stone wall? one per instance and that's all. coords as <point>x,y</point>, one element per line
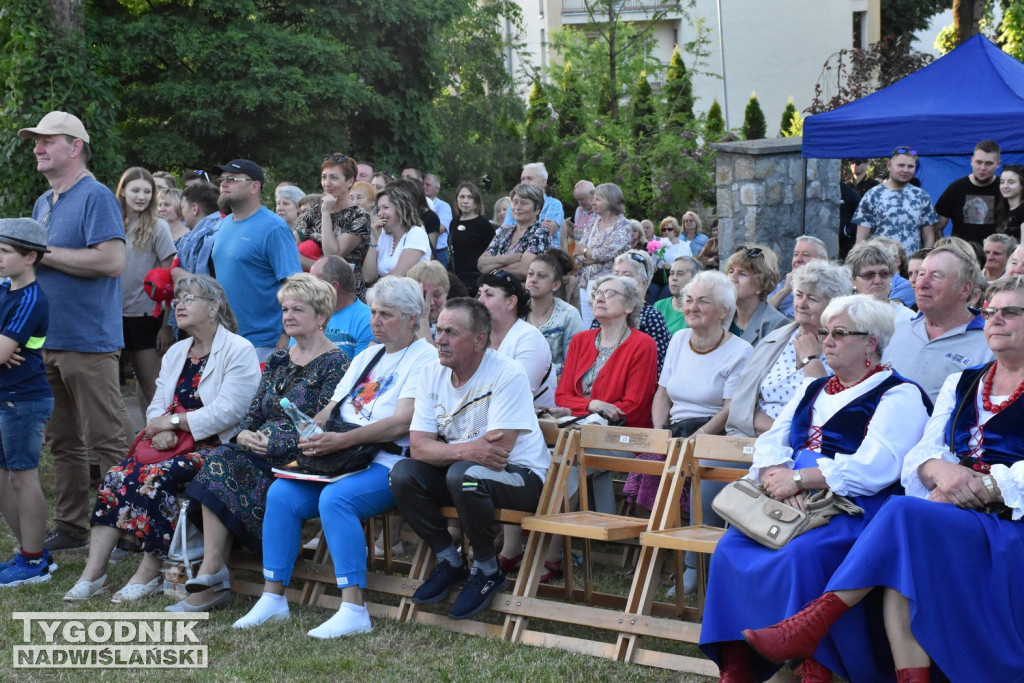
<point>761,196</point>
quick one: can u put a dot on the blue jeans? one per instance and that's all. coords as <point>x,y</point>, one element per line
<point>21,432</point>
<point>341,507</point>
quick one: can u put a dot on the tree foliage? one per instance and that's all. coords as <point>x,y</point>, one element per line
<point>540,123</point>
<point>715,124</point>
<point>754,125</point>
<point>678,92</point>
<point>788,114</point>
<point>900,17</point>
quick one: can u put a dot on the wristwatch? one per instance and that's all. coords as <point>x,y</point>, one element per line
<point>175,420</point>
<point>798,479</point>
<point>807,359</point>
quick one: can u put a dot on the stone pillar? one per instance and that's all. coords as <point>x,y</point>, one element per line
<point>770,195</point>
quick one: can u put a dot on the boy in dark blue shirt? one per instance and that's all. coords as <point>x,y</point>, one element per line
<point>25,398</point>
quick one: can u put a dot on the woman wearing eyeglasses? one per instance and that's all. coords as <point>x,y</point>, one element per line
<point>515,246</point>
<point>350,233</point>
<point>639,266</point>
<point>213,375</point>
<point>754,270</point>
<point>947,556</point>
<point>674,248</point>
<point>846,433</point>
<point>232,485</point>
<point>873,267</point>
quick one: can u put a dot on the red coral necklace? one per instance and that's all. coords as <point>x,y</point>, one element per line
<point>986,392</point>
<point>834,386</point>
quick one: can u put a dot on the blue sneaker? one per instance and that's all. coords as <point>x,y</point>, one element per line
<point>20,571</point>
<point>440,581</point>
<point>477,594</point>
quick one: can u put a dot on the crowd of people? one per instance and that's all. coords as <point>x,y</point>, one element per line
<point>437,336</point>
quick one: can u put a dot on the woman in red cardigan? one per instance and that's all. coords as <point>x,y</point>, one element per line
<point>611,370</point>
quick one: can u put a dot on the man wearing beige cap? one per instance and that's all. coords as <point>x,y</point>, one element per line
<point>81,279</point>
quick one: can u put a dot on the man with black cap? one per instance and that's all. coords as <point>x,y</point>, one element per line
<point>253,254</point>
<point>81,278</point>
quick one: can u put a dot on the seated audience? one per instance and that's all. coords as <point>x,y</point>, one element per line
<point>998,248</point>
<point>232,484</point>
<point>948,336</point>
<point>674,248</point>
<point>475,444</point>
<point>637,265</point>
<point>212,375</point>
<point>557,320</point>
<point>679,275</point>
<point>787,357</point>
<point>914,268</point>
<point>381,403</point>
<point>349,325</point>
<point>901,289</point>
<point>693,235</point>
<point>286,205</point>
<point>709,254</point>
<point>952,544</point>
<point>1015,265</point>
<point>606,236</point>
<point>436,286</point>
<point>513,337</point>
<point>806,249</point>
<point>397,240</point>
<point>515,246</point>
<point>846,434</point>
<point>754,270</point>
<point>873,268</point>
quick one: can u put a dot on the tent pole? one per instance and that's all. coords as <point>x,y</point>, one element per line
<point>803,203</point>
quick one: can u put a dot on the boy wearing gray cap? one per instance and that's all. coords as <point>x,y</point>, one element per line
<point>25,398</point>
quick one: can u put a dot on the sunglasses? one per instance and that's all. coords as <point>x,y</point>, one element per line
<point>336,158</point>
<point>903,150</point>
<point>753,252</point>
<point>840,333</point>
<point>639,258</point>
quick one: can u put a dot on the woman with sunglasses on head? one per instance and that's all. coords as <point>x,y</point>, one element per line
<point>754,269</point>
<point>607,235</point>
<point>946,556</point>
<point>873,267</point>
<point>212,375</point>
<point>232,485</point>
<point>398,240</point>
<point>847,434</point>
<point>148,245</point>
<point>349,236</point>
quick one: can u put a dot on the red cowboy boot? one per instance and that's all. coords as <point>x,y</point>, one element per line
<point>736,665</point>
<point>798,636</point>
<point>920,675</point>
<point>815,672</point>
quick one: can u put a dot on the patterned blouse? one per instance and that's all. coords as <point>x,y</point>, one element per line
<point>536,240</point>
<point>782,381</point>
<point>603,245</point>
<point>352,220</point>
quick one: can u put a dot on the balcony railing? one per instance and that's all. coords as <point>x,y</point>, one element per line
<point>580,6</point>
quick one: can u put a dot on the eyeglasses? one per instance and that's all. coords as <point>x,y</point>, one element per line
<point>336,158</point>
<point>1008,312</point>
<point>233,180</point>
<point>200,172</point>
<point>188,299</point>
<point>603,294</point>
<point>872,274</point>
<point>639,258</point>
<point>753,252</point>
<point>840,333</point>
<point>903,150</point>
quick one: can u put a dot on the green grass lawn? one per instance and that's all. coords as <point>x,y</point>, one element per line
<point>282,651</point>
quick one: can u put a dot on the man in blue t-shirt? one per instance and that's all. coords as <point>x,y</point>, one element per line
<point>81,279</point>
<point>253,254</point>
<point>349,326</point>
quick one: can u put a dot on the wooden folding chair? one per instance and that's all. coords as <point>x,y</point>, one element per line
<point>701,462</point>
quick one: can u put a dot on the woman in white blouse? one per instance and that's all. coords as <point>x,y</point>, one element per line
<point>948,554</point>
<point>397,241</point>
<point>789,355</point>
<point>847,433</point>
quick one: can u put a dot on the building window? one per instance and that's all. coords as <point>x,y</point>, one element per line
<point>860,30</point>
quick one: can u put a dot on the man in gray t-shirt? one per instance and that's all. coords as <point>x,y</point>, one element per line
<point>897,209</point>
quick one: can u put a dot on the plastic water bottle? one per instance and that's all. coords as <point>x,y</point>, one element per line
<point>304,424</point>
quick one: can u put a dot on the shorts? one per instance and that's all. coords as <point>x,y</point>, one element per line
<point>21,432</point>
<point>140,332</point>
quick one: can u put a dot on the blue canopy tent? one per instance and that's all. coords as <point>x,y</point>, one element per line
<point>974,93</point>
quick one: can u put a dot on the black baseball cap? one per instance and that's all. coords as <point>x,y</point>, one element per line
<point>249,168</point>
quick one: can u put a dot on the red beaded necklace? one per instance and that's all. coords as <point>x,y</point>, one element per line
<point>834,386</point>
<point>986,392</point>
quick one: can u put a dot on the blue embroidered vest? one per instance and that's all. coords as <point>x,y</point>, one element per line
<point>1003,434</point>
<point>846,429</point>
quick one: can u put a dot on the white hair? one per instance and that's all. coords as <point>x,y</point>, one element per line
<point>867,315</point>
<point>719,288</point>
<point>540,168</point>
<point>401,293</point>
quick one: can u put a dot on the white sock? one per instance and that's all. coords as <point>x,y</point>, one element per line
<point>349,619</point>
<point>269,607</point>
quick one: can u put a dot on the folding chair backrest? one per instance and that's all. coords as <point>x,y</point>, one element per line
<point>630,441</point>
<point>708,448</point>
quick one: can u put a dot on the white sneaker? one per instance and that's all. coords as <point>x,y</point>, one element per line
<point>349,619</point>
<point>268,608</point>
<point>396,549</point>
<point>83,590</point>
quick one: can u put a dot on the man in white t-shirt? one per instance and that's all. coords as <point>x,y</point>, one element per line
<point>475,444</point>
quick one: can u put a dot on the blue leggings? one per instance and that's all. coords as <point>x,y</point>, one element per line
<point>341,506</point>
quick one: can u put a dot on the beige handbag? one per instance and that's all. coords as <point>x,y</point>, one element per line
<point>745,505</point>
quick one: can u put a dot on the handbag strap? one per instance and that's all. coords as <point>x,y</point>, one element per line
<point>543,383</point>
